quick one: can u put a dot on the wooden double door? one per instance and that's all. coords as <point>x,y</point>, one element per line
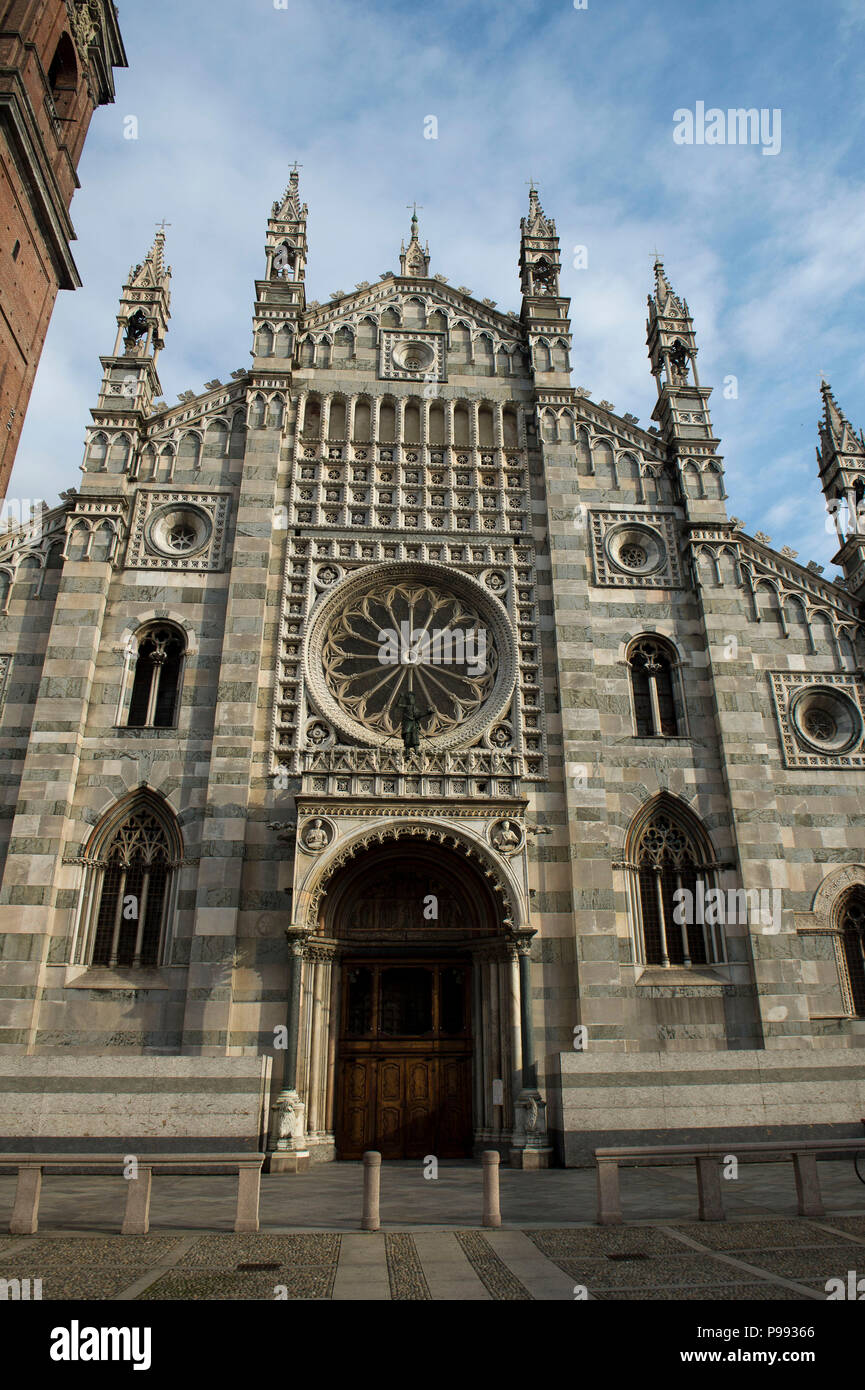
<point>405,1060</point>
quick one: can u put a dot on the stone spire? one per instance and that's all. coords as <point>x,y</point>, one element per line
<point>152,271</point>
<point>667,304</point>
<point>545,310</point>
<point>537,224</point>
<point>286,247</point>
<point>837,435</point>
<point>841,462</point>
<point>280,298</point>
<point>682,409</point>
<point>540,261</point>
<point>130,382</point>
<point>289,208</point>
<point>414,261</point>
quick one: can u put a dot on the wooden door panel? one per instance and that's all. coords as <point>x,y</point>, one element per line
<point>355,1109</point>
<point>390,1103</point>
<point>420,1106</point>
<point>454,1106</point>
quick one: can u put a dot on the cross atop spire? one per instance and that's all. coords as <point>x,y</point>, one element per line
<point>666,302</point>
<point>537,224</point>
<point>288,208</point>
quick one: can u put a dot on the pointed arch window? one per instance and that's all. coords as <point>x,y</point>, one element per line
<point>672,872</point>
<point>157,677</point>
<point>128,897</point>
<point>658,710</point>
<point>852,923</point>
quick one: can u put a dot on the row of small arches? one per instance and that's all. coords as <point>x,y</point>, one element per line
<point>789,616</point>
<point>359,413</point>
<point>159,458</point>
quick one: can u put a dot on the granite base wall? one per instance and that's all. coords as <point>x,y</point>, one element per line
<point>664,1097</point>
<point>162,1104</point>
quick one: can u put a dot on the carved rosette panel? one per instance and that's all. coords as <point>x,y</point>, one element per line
<point>820,718</point>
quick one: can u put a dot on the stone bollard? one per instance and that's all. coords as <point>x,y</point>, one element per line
<point>492,1209</point>
<point>371,1189</point>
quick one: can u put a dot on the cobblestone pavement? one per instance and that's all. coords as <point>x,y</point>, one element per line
<point>747,1260</point>
<point>431,1247</point>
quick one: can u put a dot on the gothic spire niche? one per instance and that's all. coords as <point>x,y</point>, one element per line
<point>414,261</point>
<point>545,310</point>
<point>130,382</point>
<point>841,461</point>
<point>281,295</point>
<point>682,409</point>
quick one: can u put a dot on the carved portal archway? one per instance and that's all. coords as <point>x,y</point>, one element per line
<point>410,1032</point>
<point>452,840</point>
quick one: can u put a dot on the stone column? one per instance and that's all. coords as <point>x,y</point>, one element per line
<point>527,1028</point>
<point>474,424</point>
<point>495,1048</point>
<point>530,1147</point>
<point>320,956</point>
<point>506,1064</point>
<point>325,418</point>
<point>288,1132</point>
<point>477,1049</point>
<point>334,1008</point>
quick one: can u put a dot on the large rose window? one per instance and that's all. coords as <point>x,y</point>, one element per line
<point>393,632</point>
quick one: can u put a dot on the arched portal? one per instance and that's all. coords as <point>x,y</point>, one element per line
<point>410,1025</point>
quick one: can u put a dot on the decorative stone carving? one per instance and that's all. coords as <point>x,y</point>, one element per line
<point>316,835</point>
<point>287,1124</point>
<point>319,734</point>
<point>507,836</point>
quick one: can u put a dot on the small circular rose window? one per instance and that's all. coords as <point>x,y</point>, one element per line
<point>414,357</point>
<point>636,548</point>
<point>178,530</point>
<point>632,556</point>
<point>826,719</point>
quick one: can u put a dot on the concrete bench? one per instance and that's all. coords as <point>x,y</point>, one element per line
<point>708,1158</point>
<point>136,1220</point>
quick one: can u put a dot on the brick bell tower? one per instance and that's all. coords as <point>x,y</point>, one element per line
<point>56,66</point>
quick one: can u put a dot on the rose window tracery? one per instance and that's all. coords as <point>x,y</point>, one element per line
<point>409,636</point>
<point>411,629</point>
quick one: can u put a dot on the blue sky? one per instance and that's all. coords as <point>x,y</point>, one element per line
<point>767,250</point>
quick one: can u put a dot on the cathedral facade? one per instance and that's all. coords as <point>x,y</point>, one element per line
<point>399,736</point>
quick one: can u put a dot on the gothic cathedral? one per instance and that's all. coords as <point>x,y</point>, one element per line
<point>404,751</point>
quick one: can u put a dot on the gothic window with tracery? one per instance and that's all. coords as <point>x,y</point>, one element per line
<point>669,859</point>
<point>853,946</point>
<point>157,678</point>
<point>133,893</point>
<point>653,682</point>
